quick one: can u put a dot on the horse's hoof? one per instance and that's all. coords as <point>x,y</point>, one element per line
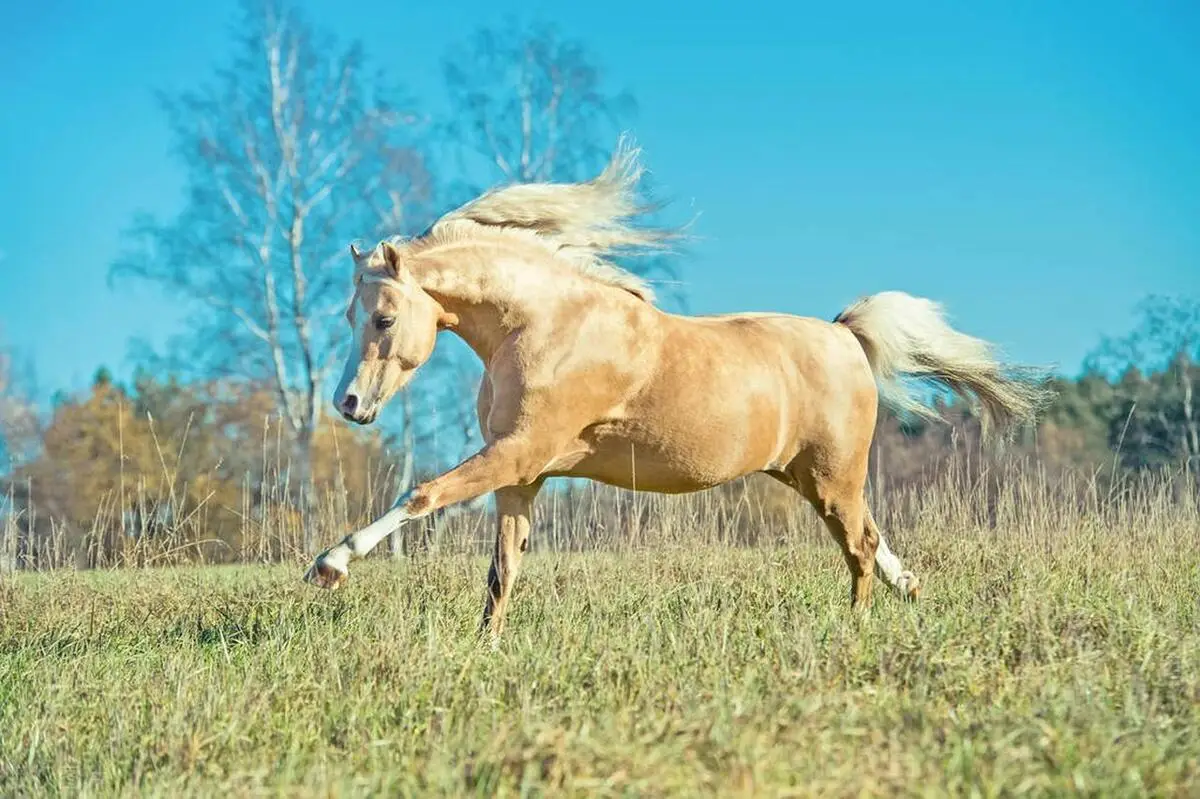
<point>324,575</point>
<point>910,586</point>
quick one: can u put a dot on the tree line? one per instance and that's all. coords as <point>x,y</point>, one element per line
<point>222,443</point>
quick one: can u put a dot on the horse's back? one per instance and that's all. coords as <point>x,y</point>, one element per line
<point>803,354</point>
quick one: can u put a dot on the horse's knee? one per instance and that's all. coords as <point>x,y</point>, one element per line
<point>860,557</point>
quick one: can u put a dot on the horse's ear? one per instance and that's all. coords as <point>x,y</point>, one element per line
<point>391,257</point>
<point>355,253</point>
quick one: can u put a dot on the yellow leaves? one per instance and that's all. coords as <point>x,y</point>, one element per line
<point>194,463</point>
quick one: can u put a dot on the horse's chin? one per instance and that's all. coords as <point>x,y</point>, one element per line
<point>364,419</point>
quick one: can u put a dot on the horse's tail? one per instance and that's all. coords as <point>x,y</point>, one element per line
<point>907,339</point>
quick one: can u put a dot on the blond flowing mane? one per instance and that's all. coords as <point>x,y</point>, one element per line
<point>584,224</point>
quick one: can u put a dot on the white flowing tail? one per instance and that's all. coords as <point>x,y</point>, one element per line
<point>907,337</point>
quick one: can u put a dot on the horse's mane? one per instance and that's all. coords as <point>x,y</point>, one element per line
<point>583,224</point>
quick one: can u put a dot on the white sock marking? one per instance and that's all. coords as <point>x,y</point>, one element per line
<point>889,565</point>
<point>360,543</point>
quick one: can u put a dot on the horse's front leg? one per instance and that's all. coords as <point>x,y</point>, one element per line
<point>514,515</point>
<point>503,463</point>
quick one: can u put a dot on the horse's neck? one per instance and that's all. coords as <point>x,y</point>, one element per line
<point>486,294</point>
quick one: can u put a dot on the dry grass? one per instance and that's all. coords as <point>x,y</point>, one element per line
<point>1056,651</point>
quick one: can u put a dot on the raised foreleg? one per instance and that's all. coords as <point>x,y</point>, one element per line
<point>505,462</point>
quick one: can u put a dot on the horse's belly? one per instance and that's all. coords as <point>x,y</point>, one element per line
<point>621,455</point>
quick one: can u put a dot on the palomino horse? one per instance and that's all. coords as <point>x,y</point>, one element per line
<point>586,377</point>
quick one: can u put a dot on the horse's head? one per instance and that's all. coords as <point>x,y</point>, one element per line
<point>394,323</point>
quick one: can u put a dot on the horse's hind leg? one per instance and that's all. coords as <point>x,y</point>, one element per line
<point>841,503</point>
<point>889,566</point>
<point>845,519</point>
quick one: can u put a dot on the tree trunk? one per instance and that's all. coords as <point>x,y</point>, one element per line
<point>305,492</point>
<point>396,537</point>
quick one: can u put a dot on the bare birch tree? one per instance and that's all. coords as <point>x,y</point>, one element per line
<point>532,105</point>
<point>529,106</point>
<point>1167,340</point>
<point>291,152</point>
<point>20,434</point>
<point>18,414</point>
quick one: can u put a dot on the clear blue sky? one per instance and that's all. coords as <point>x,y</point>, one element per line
<point>1034,165</point>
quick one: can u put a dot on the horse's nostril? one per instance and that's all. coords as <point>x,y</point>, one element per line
<point>350,403</point>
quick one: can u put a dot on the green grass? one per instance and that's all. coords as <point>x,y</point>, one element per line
<point>1061,664</point>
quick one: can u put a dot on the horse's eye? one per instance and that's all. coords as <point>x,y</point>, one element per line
<point>384,322</point>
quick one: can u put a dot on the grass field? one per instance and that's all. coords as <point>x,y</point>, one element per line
<point>1060,659</point>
